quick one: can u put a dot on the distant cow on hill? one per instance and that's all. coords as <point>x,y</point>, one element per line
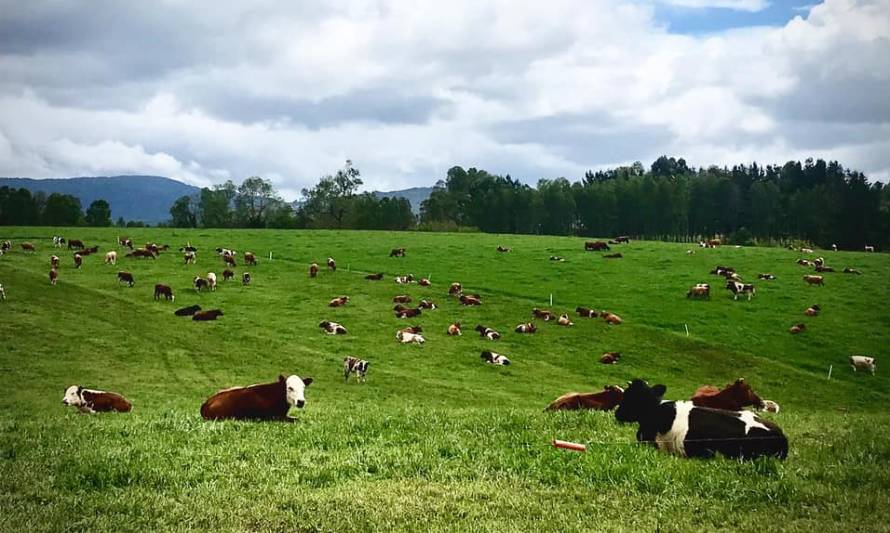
<point>488,333</point>
<point>455,289</point>
<point>53,276</point>
<point>797,328</point>
<point>700,290</point>
<point>332,328</point>
<point>813,310</point>
<point>332,265</point>
<point>612,318</point>
<point>587,312</point>
<point>401,299</point>
<point>28,247</point>
<point>249,258</point>
<point>503,249</point>
<point>528,327</point>
<point>493,358</point>
<point>54,261</point>
<point>454,329</point>
<point>605,400</point>
<point>766,277</point>
<point>406,337</point>
<point>610,358</point>
<point>313,270</point>
<point>737,288</point>
<point>78,260</point>
<point>270,401</point>
<point>408,313</point>
<point>424,282</point>
<point>426,304</point>
<point>190,258</point>
<point>375,277</point>
<point>141,252</point>
<point>543,314</point>
<point>199,283</point>
<point>469,300</point>
<point>126,277</point>
<point>339,301</point>
<point>228,275</point>
<point>564,320</point>
<point>397,252</point>
<point>211,314</point>
<point>165,291</point>
<point>596,246</point>
<point>814,280</point>
<point>849,270</point>
<point>355,366</point>
<point>187,311</point>
<point>869,248</point>
<point>246,279</point>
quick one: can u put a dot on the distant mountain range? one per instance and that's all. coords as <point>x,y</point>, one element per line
<point>148,198</point>
<point>145,198</point>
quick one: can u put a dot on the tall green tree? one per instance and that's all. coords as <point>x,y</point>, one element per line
<point>62,210</point>
<point>98,214</point>
<point>184,212</point>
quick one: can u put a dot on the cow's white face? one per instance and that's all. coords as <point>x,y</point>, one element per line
<point>72,396</point>
<point>295,390</point>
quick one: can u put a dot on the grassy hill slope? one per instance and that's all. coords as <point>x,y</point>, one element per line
<point>436,439</point>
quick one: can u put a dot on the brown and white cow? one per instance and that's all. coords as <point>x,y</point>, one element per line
<point>737,288</point>
<point>28,247</point>
<point>426,304</point>
<point>610,358</point>
<point>806,250</point>
<point>228,275</point>
<point>493,358</point>
<point>141,252</point>
<point>543,314</point>
<point>126,277</point>
<point>612,318</point>
<point>246,279</point>
<point>339,301</point>
<point>699,290</point>
<point>406,337</point>
<point>733,397</point>
<point>466,299</point>
<point>823,268</point>
<point>78,260</point>
<point>504,249</point>
<point>424,282</point>
<point>229,260</point>
<point>190,258</point>
<point>863,362</point>
<point>797,328</point>
<point>408,313</point>
<point>557,258</point>
<point>332,328</point>
<point>313,270</point>
<point>2,292</point>
<point>417,328</point>
<point>53,276</point>
<point>75,244</point>
<point>401,299</point>
<point>6,246</point>
<point>54,261</point>
<point>605,400</point>
<point>125,242</point>
<point>564,320</point>
<point>454,329</point>
<point>397,252</point>
<point>210,314</point>
<point>95,401</point>
<point>249,258</point>
<point>165,291</point>
<point>488,333</point>
<point>595,246</point>
<point>199,283</point>
<point>766,277</point>
<point>814,280</point>
<point>455,289</point>
<point>813,310</point>
<point>375,277</point>
<point>111,258</point>
<point>404,280</point>
<point>211,281</point>
<point>528,327</point>
<point>587,312</point>
<point>269,401</point>
<point>849,270</point>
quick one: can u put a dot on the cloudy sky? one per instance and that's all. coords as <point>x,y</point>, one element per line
<point>406,89</point>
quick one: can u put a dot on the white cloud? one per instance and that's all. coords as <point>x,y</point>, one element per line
<point>738,5</point>
<point>407,90</point>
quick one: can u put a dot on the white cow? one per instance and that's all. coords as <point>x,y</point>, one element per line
<point>407,338</point>
<point>111,257</point>
<point>863,362</point>
<point>211,281</point>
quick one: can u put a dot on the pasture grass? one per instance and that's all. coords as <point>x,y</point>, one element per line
<point>435,440</point>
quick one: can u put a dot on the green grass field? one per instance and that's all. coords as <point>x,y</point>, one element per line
<point>435,440</point>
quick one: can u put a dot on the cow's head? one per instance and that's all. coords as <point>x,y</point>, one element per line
<point>743,393</point>
<point>73,396</point>
<point>295,389</point>
<point>639,401</point>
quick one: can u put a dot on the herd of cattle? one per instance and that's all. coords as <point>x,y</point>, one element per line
<point>712,421</point>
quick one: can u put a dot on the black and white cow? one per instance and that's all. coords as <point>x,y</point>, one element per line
<point>488,333</point>
<point>681,428</point>
<point>737,287</point>
<point>354,365</point>
<point>493,358</point>
<point>332,328</point>
<point>2,292</point>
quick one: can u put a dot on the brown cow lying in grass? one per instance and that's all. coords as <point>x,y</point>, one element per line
<point>228,275</point>
<point>397,252</point>
<point>564,320</point>
<point>813,310</point>
<point>528,327</point>
<point>454,329</point>
<point>455,289</point>
<point>401,299</point>
<point>375,277</point>
<point>733,397</point>
<point>610,358</point>
<point>339,301</point>
<point>797,328</point>
<point>332,328</point>
<point>612,318</point>
<point>605,400</point>
<point>141,252</point>
<point>95,401</point>
<point>700,290</point>
<point>426,304</point>
<point>313,270</point>
<point>814,280</point>
<point>332,265</point>
<point>543,314</point>
<point>469,300</point>
<point>269,401</point>
<point>408,313</point>
<point>586,312</point>
<point>424,282</point>
<point>211,314</point>
<point>488,333</point>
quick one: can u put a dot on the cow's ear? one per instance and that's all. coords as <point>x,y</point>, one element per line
<point>659,390</point>
<point>307,381</point>
<point>281,378</point>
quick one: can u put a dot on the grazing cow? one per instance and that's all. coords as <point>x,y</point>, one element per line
<point>737,287</point>
<point>823,268</point>
<point>375,277</point>
<point>245,279</point>
<point>354,365</point>
<point>397,252</point>
<point>610,358</point>
<point>454,329</point>
<point>401,299</point>
<point>313,270</point>
<point>766,277</point>
<point>75,244</point>
<point>611,318</point>
<point>249,258</point>
<point>493,358</point>
<point>406,337</point>
<point>53,276</point>
<point>270,401</point>
<point>111,257</point>
<point>488,333</point>
<point>587,313</point>
<point>28,247</point>
<point>95,401</point>
<point>332,328</point>
<point>806,250</point>
<point>503,249</point>
<point>190,258</point>
<point>211,281</point>
<point>126,277</point>
<point>408,313</point>
<point>78,260</point>
<point>424,282</point>
<point>228,275</point>
<point>229,260</point>
<point>682,428</point>
<point>616,255</point>
<point>187,311</point>
<point>426,304</point>
<point>469,300</point>
<point>455,289</point>
<point>595,246</point>
<point>848,270</point>
<point>557,258</point>
<point>528,327</point>
<point>699,290</point>
<point>814,280</point>
<point>733,397</point>
<point>863,362</point>
<point>605,400</point>
<point>804,262</point>
<point>563,320</point>
<point>543,314</point>
<point>54,261</point>
<point>797,328</point>
<point>339,301</point>
<point>869,248</point>
<point>141,252</point>
<point>203,316</point>
<point>165,291</point>
<point>199,283</point>
<point>813,310</point>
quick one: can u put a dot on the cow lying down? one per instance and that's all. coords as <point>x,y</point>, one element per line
<point>681,428</point>
<point>268,401</point>
<point>95,401</point>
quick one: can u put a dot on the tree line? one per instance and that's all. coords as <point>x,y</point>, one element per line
<point>19,207</point>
